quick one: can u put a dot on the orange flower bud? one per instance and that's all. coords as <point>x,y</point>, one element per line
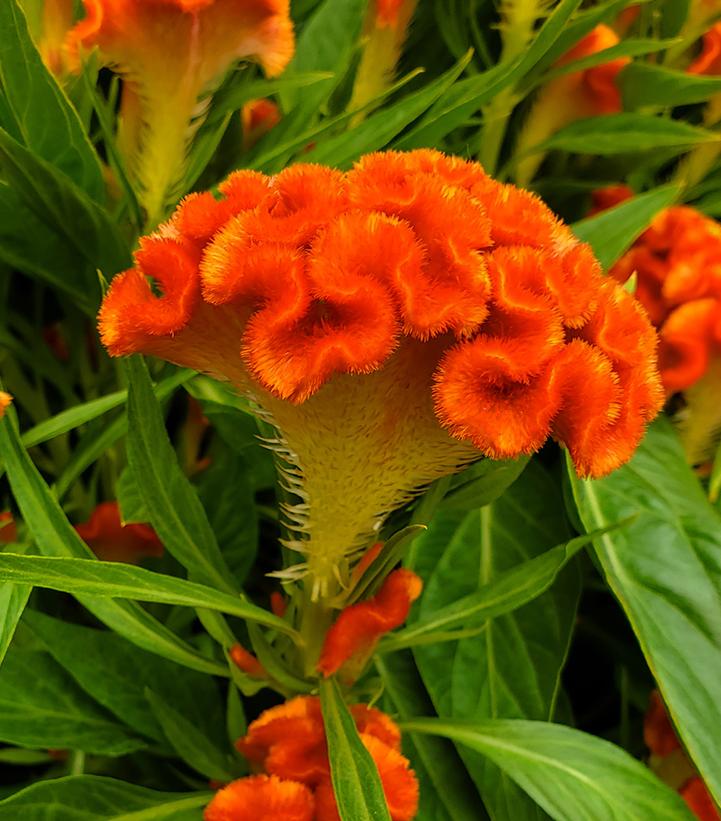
<point>246,662</point>
<point>170,52</point>
<point>351,640</point>
<point>709,60</point>
<point>262,798</point>
<point>5,400</point>
<point>8,528</point>
<point>394,323</point>
<point>257,118</point>
<point>112,541</point>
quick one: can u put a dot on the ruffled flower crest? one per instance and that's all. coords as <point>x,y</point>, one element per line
<point>170,53</point>
<point>393,323</point>
<point>287,745</point>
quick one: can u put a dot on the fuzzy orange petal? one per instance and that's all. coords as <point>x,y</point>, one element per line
<point>112,541</point>
<point>262,798</point>
<point>686,339</point>
<point>359,627</point>
<point>131,314</point>
<point>370,721</point>
<point>478,398</point>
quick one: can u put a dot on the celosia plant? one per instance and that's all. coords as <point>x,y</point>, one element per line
<point>342,469</point>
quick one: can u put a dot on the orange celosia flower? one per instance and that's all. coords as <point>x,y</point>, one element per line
<point>170,53</point>
<point>258,117</point>
<point>351,640</point>
<point>678,265</point>
<point>262,798</point>
<point>5,400</point>
<point>278,604</point>
<point>8,528</point>
<point>246,662</point>
<point>288,742</point>
<point>573,96</point>
<point>112,541</point>
<point>394,323</point>
<point>670,762</point>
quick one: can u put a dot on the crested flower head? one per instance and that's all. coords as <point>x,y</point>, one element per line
<point>112,541</point>
<point>394,323</point>
<point>262,798</point>
<point>288,744</point>
<point>171,53</point>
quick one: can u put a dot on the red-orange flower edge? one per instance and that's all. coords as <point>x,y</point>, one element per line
<point>112,541</point>
<point>287,745</point>
<point>678,265</point>
<point>286,282</point>
<point>355,633</point>
<point>661,740</point>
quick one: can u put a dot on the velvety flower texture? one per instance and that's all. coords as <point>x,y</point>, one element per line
<point>170,53</point>
<point>287,745</point>
<point>111,541</point>
<point>394,323</point>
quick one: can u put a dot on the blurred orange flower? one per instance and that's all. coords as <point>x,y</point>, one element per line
<point>171,53</point>
<point>709,60</point>
<point>351,640</point>
<point>111,541</point>
<point>246,662</point>
<point>288,743</point>
<point>8,528</point>
<point>572,96</point>
<point>5,400</point>
<point>671,764</point>
<point>394,323</point>
<point>258,117</point>
<point>678,265</point>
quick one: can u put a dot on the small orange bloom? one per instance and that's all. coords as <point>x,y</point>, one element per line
<point>709,60</point>
<point>5,400</point>
<point>246,662</point>
<point>170,53</point>
<point>394,323</point>
<point>262,798</point>
<point>668,758</point>
<point>351,640</point>
<point>288,741</point>
<point>258,117</point>
<point>8,528</point>
<point>112,541</point>
<point>278,604</point>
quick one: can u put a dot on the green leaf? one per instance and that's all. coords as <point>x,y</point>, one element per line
<point>188,742</point>
<point>66,211</point>
<point>466,98</point>
<point>626,133</point>
<point>173,506</point>
<point>55,536</point>
<point>665,570</point>
<point>482,483</point>
<point>115,673</point>
<point>515,659</point>
<point>356,783</point>
<point>612,232</point>
<point>13,598</point>
<point>442,776</point>
<point>54,260</point>
<point>130,499</point>
<point>379,129</point>
<point>41,706</point>
<point>508,591</point>
<point>44,119</point>
<point>644,84</point>
<point>571,774</point>
<point>91,577</point>
<point>95,798</point>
